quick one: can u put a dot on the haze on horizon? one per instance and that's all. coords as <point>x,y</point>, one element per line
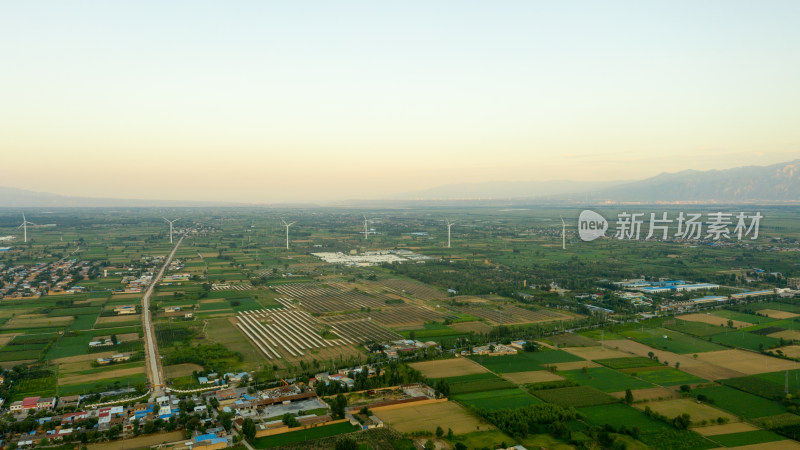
<point>314,101</point>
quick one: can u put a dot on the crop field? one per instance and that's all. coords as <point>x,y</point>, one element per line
<point>497,399</point>
<point>767,385</point>
<point>474,326</point>
<point>694,366</point>
<point>533,376</point>
<point>524,362</point>
<point>619,414</point>
<point>630,362</point>
<point>412,289</point>
<point>775,314</point>
<point>510,314</point>
<point>674,341</point>
<point>742,317</point>
<point>322,298</point>
<point>428,417</point>
<point>572,340</point>
<point>669,377</point>
<point>746,340</point>
<point>728,428</point>
<point>448,368</point>
<point>477,382</point>
<point>747,363</point>
<point>700,329</point>
<point>304,435</point>
<point>746,438</point>
<point>658,393</point>
<point>398,316</point>
<point>577,396</point>
<point>740,403</point>
<point>595,353</point>
<point>714,320</point>
<point>606,380</point>
<point>698,411</point>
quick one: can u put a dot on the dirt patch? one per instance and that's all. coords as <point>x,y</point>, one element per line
<point>698,411</point>
<point>477,327</point>
<point>6,338</point>
<point>572,340</point>
<point>534,376</point>
<point>697,367</point>
<point>75,379</point>
<point>593,353</point>
<point>121,337</point>
<point>775,314</point>
<point>181,370</point>
<point>78,358</point>
<point>574,365</point>
<point>713,320</point>
<point>658,393</point>
<point>448,367</point>
<point>428,417</point>
<point>728,428</point>
<point>28,321</point>
<point>118,319</point>
<point>749,363</point>
<point>141,441</point>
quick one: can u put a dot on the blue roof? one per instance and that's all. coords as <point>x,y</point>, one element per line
<point>205,437</point>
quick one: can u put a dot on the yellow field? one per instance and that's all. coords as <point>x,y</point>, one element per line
<point>6,338</point>
<point>79,358</point>
<point>698,411</point>
<point>776,445</point>
<point>428,417</point>
<point>118,319</point>
<point>37,321</point>
<point>181,370</point>
<point>728,428</point>
<point>792,351</point>
<point>649,394</point>
<point>110,373</point>
<point>713,320</point>
<point>775,314</point>
<point>534,376</point>
<point>448,367</point>
<point>789,335</point>
<point>593,353</point>
<point>697,367</point>
<point>749,363</point>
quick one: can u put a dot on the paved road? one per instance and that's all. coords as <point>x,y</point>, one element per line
<point>154,369</point>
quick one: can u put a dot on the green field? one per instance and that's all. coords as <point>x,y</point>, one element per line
<point>605,379</point>
<point>619,414</point>
<point>740,403</point>
<point>675,342</point>
<point>742,317</point>
<point>628,363</point>
<point>694,328</point>
<point>746,340</point>
<point>304,435</point>
<point>746,438</point>
<point>524,362</point>
<point>497,399</point>
<point>669,377</point>
<point>577,396</point>
<point>477,382</point>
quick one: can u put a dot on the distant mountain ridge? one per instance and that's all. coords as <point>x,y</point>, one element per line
<point>20,198</point>
<point>776,183</point>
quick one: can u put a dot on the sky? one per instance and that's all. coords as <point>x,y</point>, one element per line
<point>274,102</point>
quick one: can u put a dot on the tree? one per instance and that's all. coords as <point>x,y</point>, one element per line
<point>628,396</point>
<point>730,323</point>
<point>114,339</point>
<point>346,443</point>
<point>450,434</point>
<point>429,445</point>
<point>682,421</point>
<point>439,431</point>
<point>650,354</point>
<point>249,429</point>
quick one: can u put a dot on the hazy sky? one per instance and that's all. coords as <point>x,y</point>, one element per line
<point>283,101</point>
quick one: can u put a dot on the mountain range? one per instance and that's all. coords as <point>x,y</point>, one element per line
<point>777,183</point>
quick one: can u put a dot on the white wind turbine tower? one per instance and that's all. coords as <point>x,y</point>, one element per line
<point>170,227</point>
<point>563,235</point>
<point>366,230</point>
<point>287,225</point>
<point>24,226</point>
<point>449,225</point>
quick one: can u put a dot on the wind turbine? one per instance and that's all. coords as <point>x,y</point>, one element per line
<point>449,225</point>
<point>170,227</point>
<point>366,230</point>
<point>24,226</point>
<point>287,225</point>
<point>563,235</point>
